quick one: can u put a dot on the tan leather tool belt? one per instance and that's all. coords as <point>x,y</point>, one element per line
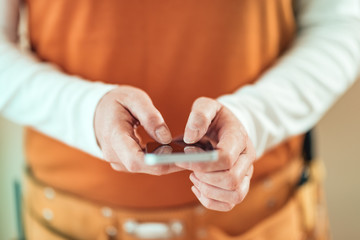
<point>53,215</point>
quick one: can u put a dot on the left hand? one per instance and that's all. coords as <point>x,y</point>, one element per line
<point>222,184</point>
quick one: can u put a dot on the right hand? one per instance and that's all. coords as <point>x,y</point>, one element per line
<point>117,116</point>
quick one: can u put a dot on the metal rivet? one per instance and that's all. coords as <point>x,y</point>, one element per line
<point>47,214</point>
<point>267,183</point>
<point>106,212</point>
<point>49,193</point>
<point>201,233</point>
<point>177,227</point>
<point>111,231</point>
<point>271,203</point>
<point>130,226</point>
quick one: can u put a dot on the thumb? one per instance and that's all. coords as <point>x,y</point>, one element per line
<point>141,107</point>
<point>202,113</point>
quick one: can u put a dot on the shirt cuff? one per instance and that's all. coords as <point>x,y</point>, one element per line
<point>242,114</point>
<point>87,138</point>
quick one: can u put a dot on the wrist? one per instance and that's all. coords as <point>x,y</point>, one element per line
<point>241,114</point>
<point>92,101</point>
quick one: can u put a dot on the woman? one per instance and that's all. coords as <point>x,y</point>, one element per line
<point>100,69</point>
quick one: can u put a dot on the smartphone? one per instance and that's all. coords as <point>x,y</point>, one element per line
<point>179,151</point>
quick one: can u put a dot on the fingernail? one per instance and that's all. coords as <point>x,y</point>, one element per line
<point>191,135</point>
<point>163,134</point>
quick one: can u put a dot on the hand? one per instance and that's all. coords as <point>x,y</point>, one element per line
<point>222,184</point>
<point>117,116</point>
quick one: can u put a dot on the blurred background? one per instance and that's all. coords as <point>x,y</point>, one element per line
<point>337,143</point>
<point>337,140</point>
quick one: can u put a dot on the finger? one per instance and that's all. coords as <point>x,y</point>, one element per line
<point>139,104</point>
<point>139,138</point>
<point>202,113</point>
<point>132,156</point>
<point>127,150</point>
<point>193,149</point>
<point>224,162</point>
<point>232,141</point>
<point>222,195</point>
<point>228,179</point>
<point>165,149</point>
<point>111,157</point>
<point>210,203</point>
<point>160,170</point>
<point>250,172</point>
<point>110,153</point>
<point>117,166</point>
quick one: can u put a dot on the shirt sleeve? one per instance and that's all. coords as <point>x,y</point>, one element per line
<point>292,96</point>
<point>40,95</point>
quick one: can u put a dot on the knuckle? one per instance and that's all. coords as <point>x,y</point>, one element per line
<point>132,167</point>
<point>137,92</point>
<point>232,182</point>
<point>157,174</point>
<point>106,153</point>
<point>227,161</point>
<point>199,119</point>
<point>107,156</point>
<point>202,100</point>
<point>242,139</point>
<point>154,173</point>
<point>115,167</point>
<point>205,190</point>
<point>241,193</point>
<point>238,197</point>
<point>252,153</point>
<point>158,171</point>
<point>230,207</point>
<point>129,93</point>
<point>153,119</point>
<point>207,203</point>
<point>237,137</point>
<point>250,171</point>
<point>133,94</point>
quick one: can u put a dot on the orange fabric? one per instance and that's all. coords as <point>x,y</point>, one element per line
<point>176,51</point>
<point>265,201</point>
<point>274,209</point>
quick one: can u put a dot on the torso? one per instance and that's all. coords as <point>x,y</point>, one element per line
<point>175,50</point>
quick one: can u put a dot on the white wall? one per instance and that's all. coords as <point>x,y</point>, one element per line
<point>11,165</point>
<point>11,158</point>
<point>338,136</point>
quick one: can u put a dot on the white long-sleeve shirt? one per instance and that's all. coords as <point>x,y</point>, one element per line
<point>287,100</point>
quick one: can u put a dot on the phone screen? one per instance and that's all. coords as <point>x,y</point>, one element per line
<point>179,151</point>
<point>179,146</point>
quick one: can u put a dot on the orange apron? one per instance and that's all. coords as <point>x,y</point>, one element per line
<point>175,50</point>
